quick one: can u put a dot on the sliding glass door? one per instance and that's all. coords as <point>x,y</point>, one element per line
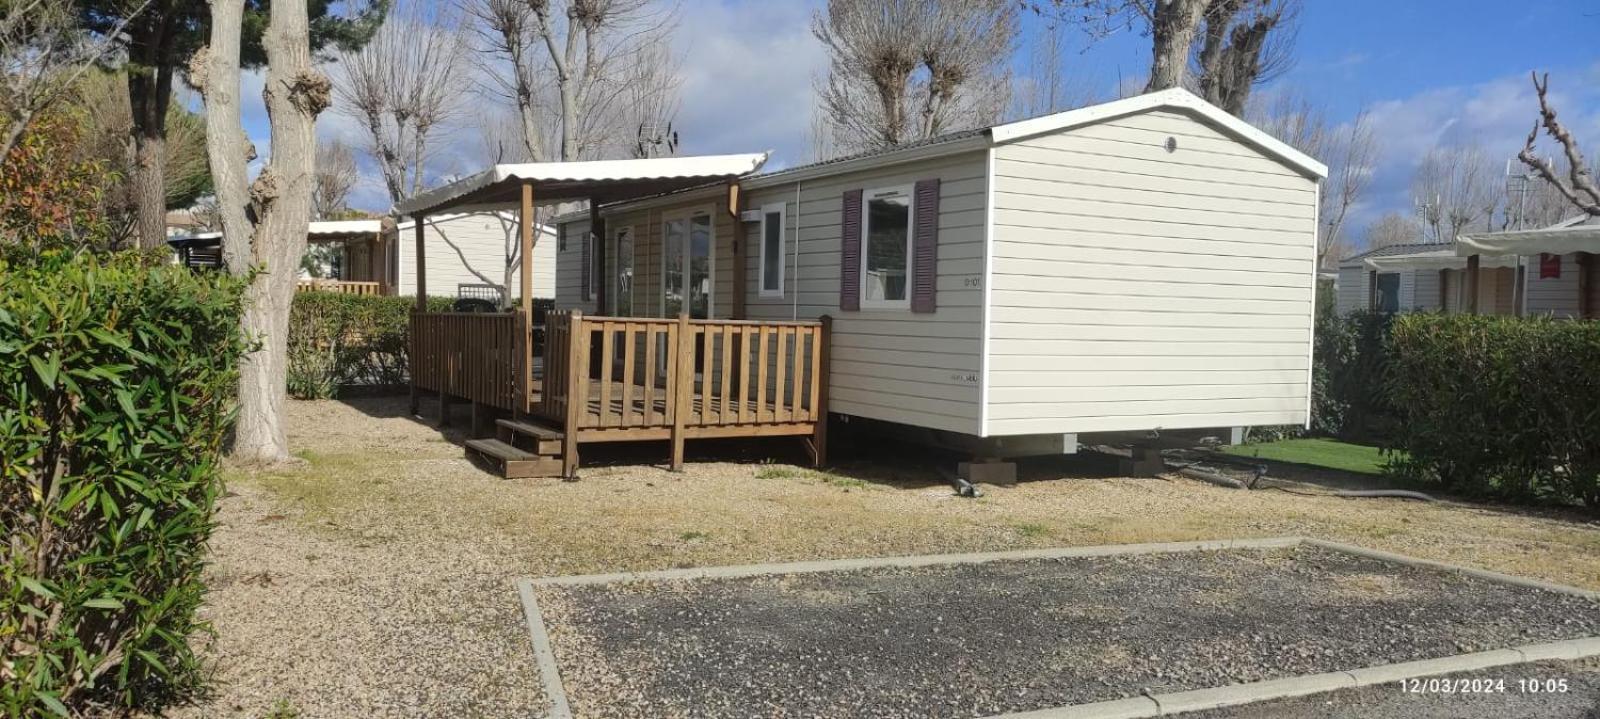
<point>688,265</point>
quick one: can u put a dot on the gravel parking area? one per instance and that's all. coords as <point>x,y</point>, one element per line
<point>376,579</point>
<point>1543,690</point>
<point>979,639</point>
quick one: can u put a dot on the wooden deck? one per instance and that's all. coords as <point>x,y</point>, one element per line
<point>621,379</point>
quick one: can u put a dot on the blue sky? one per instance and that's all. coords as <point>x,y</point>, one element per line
<point>1429,71</point>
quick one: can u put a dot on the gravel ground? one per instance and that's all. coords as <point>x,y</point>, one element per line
<point>376,578</point>
<point>1006,636</point>
<point>1506,698</point>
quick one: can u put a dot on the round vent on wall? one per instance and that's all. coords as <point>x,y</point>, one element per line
<point>1172,144</point>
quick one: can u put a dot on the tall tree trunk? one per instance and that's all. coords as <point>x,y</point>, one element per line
<point>1172,32</point>
<point>149,94</point>
<point>280,199</point>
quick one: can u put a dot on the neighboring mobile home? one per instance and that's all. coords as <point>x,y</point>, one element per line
<point>1436,276</point>
<point>466,256</point>
<point>1144,265</point>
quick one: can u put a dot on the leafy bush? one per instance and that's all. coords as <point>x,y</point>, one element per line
<point>119,374</point>
<point>338,340</point>
<point>1498,405</point>
<point>1348,399</point>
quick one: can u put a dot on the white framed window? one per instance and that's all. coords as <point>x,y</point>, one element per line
<point>622,241</point>
<point>886,222</point>
<point>773,248</point>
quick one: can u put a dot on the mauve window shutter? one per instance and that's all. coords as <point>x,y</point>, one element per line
<point>850,252</point>
<point>588,271</point>
<point>925,247</point>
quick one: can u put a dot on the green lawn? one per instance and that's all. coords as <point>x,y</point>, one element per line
<point>1329,453</point>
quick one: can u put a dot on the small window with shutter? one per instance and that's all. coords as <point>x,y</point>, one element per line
<point>886,233</point>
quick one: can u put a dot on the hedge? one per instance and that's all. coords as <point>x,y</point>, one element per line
<point>341,340</point>
<point>1502,406</point>
<point>1348,398</point>
<point>119,374</point>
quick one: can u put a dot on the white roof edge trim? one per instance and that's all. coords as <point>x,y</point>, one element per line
<point>707,166</point>
<point>1175,98</point>
<point>343,227</point>
<point>1432,261</point>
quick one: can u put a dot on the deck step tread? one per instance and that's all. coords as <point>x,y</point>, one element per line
<point>533,430</point>
<point>500,450</point>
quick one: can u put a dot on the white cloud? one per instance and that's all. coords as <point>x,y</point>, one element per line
<point>1496,114</point>
<point>748,71</point>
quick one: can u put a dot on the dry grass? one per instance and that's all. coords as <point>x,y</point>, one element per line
<point>376,578</point>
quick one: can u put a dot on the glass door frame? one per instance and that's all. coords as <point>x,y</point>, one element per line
<point>685,215</point>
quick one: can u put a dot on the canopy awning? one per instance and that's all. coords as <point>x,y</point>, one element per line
<point>342,229</point>
<point>1555,240</point>
<point>600,180</point>
<point>1441,259</point>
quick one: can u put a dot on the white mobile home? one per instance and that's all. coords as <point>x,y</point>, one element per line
<point>1139,266</point>
<point>468,251</point>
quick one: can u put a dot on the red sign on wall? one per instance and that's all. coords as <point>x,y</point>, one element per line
<point>1549,266</point>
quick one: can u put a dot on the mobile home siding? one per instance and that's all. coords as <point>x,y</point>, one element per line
<point>1133,288</point>
<point>1553,296</point>
<point>1352,289</point>
<point>893,365</point>
<point>470,249</point>
<point>569,267</point>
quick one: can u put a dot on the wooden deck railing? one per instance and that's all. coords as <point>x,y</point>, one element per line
<point>473,356</point>
<point>617,378</point>
<point>341,286</point>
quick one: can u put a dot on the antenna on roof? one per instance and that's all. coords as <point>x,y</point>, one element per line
<point>1519,186</point>
<point>654,141</point>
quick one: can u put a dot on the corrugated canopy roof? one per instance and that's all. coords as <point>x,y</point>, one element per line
<point>601,180</point>
<point>343,228</point>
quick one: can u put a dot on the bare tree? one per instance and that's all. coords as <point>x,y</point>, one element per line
<point>905,70</point>
<point>1393,229</point>
<point>1577,184</point>
<point>506,32</point>
<point>263,222</point>
<point>1455,187</point>
<point>404,86</point>
<point>1350,149</point>
<point>574,70</point>
<point>1246,43</point>
<point>1049,87</point>
<point>650,102</point>
<point>1219,48</point>
<point>336,175</point>
<point>43,54</point>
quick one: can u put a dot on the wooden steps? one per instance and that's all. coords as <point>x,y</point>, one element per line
<point>521,450</point>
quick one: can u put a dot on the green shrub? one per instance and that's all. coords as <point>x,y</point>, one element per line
<point>1498,405</point>
<point>338,340</point>
<point>1349,356</point>
<point>119,375</point>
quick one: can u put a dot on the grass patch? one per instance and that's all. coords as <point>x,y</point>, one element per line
<point>832,480</point>
<point>694,536</point>
<point>1328,453</point>
<point>1032,530</point>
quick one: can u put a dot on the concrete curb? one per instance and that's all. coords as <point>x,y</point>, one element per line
<point>544,654</point>
<point>924,560</point>
<point>1158,705</point>
<point>1448,567</point>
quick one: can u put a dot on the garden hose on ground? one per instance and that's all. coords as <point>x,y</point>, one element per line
<point>1189,470</point>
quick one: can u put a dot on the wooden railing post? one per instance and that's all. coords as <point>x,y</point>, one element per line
<point>413,358</point>
<point>680,386</point>
<point>577,403</point>
<point>819,433</point>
